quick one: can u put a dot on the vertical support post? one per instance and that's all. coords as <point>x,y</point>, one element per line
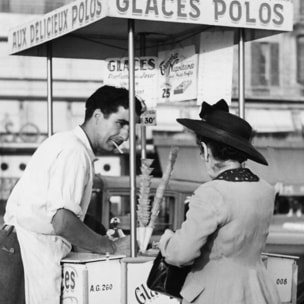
<point>143,128</point>
<point>49,89</point>
<point>241,61</point>
<point>132,140</point>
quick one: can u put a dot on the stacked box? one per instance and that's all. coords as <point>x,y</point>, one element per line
<point>91,278</point>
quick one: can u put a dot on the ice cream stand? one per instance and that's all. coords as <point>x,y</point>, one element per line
<point>99,29</point>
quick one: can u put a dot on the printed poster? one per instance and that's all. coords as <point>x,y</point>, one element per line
<point>215,66</point>
<point>117,74</point>
<point>177,74</point>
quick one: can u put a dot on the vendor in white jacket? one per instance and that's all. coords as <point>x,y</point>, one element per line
<point>48,204</point>
<point>228,219</point>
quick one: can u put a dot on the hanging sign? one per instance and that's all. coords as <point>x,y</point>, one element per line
<point>215,66</point>
<point>117,74</point>
<point>177,74</point>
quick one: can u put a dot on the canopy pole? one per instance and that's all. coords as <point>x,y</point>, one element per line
<point>143,128</point>
<point>132,140</point>
<point>241,60</point>
<point>49,89</point>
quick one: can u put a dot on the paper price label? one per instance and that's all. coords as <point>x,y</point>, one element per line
<point>281,272</point>
<point>177,74</point>
<point>148,118</point>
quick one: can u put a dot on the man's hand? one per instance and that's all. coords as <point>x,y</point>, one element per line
<point>123,245</point>
<point>107,246</point>
<point>70,227</point>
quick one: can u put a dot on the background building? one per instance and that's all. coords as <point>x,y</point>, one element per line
<point>274,104</point>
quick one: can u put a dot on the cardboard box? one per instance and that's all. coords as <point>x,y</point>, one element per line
<point>91,279</point>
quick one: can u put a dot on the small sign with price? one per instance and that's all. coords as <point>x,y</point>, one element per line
<point>117,74</point>
<point>283,272</point>
<point>177,74</point>
<point>148,118</point>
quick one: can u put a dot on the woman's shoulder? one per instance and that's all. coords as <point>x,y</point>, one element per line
<point>209,191</point>
<point>208,195</point>
<point>208,186</point>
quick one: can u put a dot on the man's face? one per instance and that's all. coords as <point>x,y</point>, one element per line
<point>111,130</point>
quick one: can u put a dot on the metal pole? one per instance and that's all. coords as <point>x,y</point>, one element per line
<point>241,60</point>
<point>143,128</point>
<point>132,140</point>
<point>49,89</point>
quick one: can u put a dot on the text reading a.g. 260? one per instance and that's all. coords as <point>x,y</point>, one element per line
<point>101,287</point>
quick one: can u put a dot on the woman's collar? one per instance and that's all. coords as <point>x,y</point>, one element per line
<point>238,175</point>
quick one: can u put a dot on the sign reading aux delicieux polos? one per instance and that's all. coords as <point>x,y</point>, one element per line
<point>56,23</point>
<point>259,14</point>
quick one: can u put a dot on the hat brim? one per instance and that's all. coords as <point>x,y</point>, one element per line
<point>204,129</point>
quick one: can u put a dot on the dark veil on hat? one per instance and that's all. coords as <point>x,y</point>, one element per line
<point>218,124</point>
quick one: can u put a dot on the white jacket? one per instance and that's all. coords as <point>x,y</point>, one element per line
<point>222,237</point>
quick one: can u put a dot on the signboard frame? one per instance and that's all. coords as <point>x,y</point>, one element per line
<point>270,15</point>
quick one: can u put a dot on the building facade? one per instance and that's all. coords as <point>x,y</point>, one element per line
<point>274,92</point>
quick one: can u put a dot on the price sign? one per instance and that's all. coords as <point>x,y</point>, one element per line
<point>177,77</point>
<point>148,118</point>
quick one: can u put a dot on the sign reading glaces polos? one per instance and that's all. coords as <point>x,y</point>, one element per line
<point>262,14</point>
<point>239,13</point>
<point>258,14</point>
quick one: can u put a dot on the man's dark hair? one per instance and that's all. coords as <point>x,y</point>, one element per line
<point>108,99</point>
<point>222,151</point>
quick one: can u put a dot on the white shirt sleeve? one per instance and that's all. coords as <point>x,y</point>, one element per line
<point>69,177</point>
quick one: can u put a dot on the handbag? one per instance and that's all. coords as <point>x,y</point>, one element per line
<point>165,278</point>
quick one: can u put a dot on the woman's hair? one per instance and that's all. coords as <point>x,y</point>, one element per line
<point>221,151</point>
<point>108,99</point>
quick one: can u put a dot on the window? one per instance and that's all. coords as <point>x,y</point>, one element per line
<point>301,7</point>
<point>52,5</point>
<point>300,59</point>
<point>289,205</point>
<point>120,207</point>
<point>265,64</point>
<point>5,6</point>
<point>31,6</point>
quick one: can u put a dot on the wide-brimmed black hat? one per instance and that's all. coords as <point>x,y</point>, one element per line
<point>218,124</point>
